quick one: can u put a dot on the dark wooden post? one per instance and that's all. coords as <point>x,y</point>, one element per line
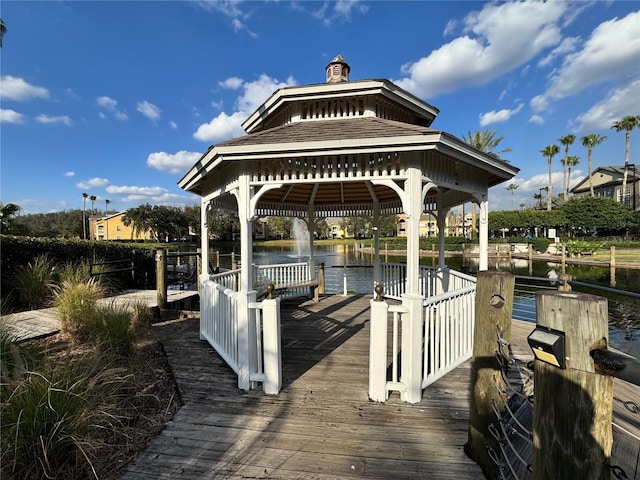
<point>612,266</point>
<point>572,434</point>
<point>321,278</point>
<point>494,307</point>
<point>161,277</point>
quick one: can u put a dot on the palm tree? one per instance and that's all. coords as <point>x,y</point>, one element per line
<point>591,141</point>
<point>628,123</point>
<point>512,188</point>
<point>93,199</point>
<point>485,141</point>
<point>538,198</point>
<point>84,220</point>
<point>571,161</point>
<point>6,212</point>
<point>549,151</point>
<point>566,141</point>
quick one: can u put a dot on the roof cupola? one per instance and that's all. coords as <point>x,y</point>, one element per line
<point>338,70</point>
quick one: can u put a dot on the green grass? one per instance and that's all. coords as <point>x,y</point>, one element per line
<point>34,281</point>
<point>113,330</point>
<point>77,305</point>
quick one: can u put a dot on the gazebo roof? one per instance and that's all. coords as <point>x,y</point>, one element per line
<point>340,147</point>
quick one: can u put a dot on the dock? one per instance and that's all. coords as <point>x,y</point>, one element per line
<point>322,424</point>
<point>34,324</point>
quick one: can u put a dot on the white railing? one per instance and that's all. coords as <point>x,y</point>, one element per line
<point>230,279</point>
<point>285,277</point>
<point>219,320</point>
<point>433,280</point>
<point>449,320</point>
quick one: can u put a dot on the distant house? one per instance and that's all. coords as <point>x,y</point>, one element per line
<point>429,225</point>
<point>607,182</point>
<point>336,228</point>
<point>111,227</point>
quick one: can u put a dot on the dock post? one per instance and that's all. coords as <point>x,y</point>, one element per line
<point>161,277</point>
<point>494,307</point>
<point>271,344</point>
<point>321,278</point>
<point>378,347</point>
<point>572,433</point>
<point>612,266</point>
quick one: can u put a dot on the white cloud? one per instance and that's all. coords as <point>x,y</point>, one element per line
<point>120,116</point>
<point>609,55</point>
<point>10,116</point>
<point>53,120</point>
<point>498,116</point>
<point>342,10</point>
<point>173,124</point>
<point>611,109</point>
<point>232,83</point>
<point>95,182</point>
<point>69,174</point>
<point>178,162</point>
<point>131,190</point>
<point>14,88</point>
<point>497,39</point>
<point>231,9</point>
<point>221,127</point>
<point>567,45</point>
<point>254,94</point>
<point>537,119</point>
<point>148,109</point>
<point>107,103</point>
<point>71,94</point>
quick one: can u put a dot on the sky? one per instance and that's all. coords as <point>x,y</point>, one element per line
<point>119,99</point>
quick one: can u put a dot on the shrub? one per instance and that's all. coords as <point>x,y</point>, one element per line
<point>540,244</point>
<point>44,420</point>
<point>77,306</point>
<point>82,272</point>
<point>34,281</point>
<point>113,331</point>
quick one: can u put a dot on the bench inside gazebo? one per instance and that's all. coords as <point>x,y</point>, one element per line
<point>336,149</point>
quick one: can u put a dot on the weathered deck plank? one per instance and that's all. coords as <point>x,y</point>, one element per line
<point>321,425</point>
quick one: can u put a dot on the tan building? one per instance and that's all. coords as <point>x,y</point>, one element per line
<point>429,225</point>
<point>111,227</point>
<point>607,182</point>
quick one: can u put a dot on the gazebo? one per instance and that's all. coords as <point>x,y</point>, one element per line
<point>330,150</point>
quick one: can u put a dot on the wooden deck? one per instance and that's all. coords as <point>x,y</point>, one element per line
<point>321,426</point>
<point>32,324</point>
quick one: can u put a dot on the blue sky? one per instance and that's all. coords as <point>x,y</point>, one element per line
<point>118,99</point>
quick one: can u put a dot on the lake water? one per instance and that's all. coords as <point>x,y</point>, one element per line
<point>344,266</point>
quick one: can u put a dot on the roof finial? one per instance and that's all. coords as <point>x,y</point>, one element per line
<point>338,70</point>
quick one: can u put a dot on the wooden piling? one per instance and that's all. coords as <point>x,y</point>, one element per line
<point>572,433</point>
<point>161,277</point>
<point>321,278</point>
<point>612,266</point>
<point>494,307</point>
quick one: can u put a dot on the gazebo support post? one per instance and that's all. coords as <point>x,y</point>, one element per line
<point>376,244</point>
<point>412,337</point>
<point>483,235</point>
<point>311,228</point>
<point>442,226</point>
<point>204,247</point>
<point>247,335</point>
